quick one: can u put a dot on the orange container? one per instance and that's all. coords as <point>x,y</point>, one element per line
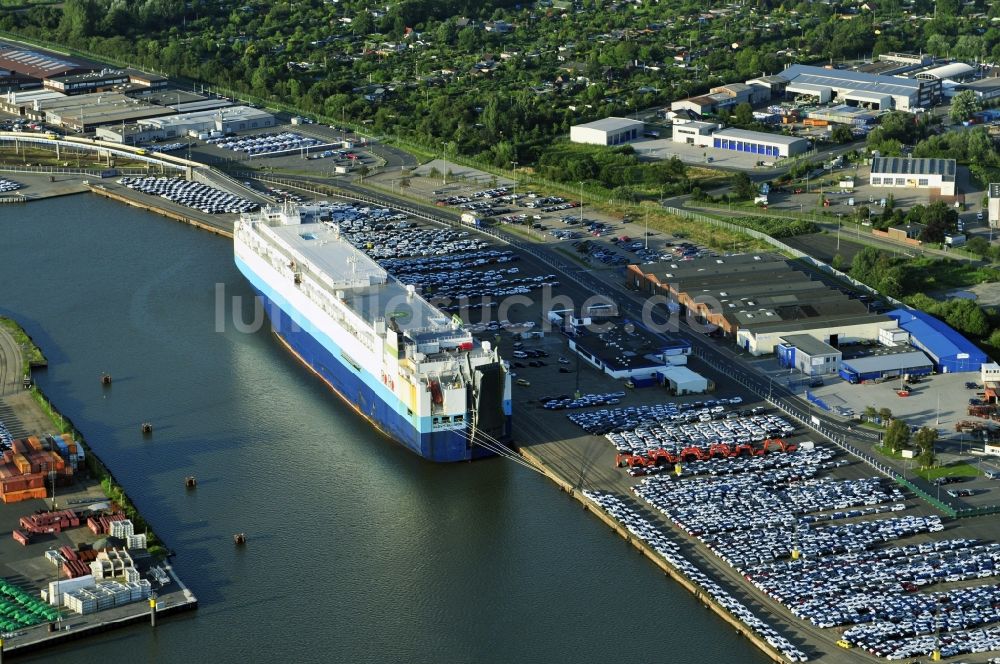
<point>22,463</point>
<point>18,496</point>
<point>34,443</point>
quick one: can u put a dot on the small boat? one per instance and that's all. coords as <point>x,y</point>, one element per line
<point>240,538</point>
<point>147,427</point>
<point>105,379</point>
<point>190,482</point>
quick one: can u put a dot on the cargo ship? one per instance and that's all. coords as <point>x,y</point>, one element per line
<point>413,371</point>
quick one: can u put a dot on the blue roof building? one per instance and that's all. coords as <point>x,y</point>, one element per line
<point>949,350</point>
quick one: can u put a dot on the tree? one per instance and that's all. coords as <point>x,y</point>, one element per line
<point>979,246</point>
<point>896,436</point>
<point>870,413</point>
<point>743,115</point>
<point>841,134</point>
<point>963,105</point>
<point>925,439</point>
<point>743,187</point>
<point>885,415</point>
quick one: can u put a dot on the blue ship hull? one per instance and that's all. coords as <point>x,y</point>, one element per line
<point>348,382</point>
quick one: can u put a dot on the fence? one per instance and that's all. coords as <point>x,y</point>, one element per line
<point>90,172</point>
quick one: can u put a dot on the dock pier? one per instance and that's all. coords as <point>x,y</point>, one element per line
<point>219,227</point>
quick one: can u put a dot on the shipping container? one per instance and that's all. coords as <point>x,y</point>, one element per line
<point>21,537</point>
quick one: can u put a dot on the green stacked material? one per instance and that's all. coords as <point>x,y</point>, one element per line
<point>18,609</point>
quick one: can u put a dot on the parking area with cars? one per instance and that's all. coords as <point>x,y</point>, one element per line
<point>191,194</point>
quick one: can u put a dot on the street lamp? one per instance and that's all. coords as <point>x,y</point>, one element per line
<point>513,176</point>
<point>646,233</point>
<point>581,201</point>
<point>444,155</point>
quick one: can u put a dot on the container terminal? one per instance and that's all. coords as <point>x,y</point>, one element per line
<point>609,462</point>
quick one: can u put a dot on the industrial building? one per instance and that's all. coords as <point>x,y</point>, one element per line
<point>810,356</point>
<point>182,101</point>
<point>985,89</point>
<point>760,143</point>
<point>94,81</point>
<point>993,204</point>
<point>15,102</point>
<point>29,68</point>
<point>914,173</point>
<point>758,299</point>
<point>708,135</point>
<point>723,96</point>
<point>233,119</point>
<point>885,363</point>
<point>694,133</point>
<point>854,88</point>
<point>914,59</point>
<point>956,71</point>
<point>948,350</point>
<point>774,85</point>
<point>627,350</point>
<point>843,114</point>
<point>609,131</point>
<point>86,112</point>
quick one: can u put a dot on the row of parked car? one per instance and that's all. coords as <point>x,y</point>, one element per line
<point>420,265</point>
<point>666,421</point>
<point>192,194</point>
<point>8,185</point>
<point>583,401</point>
<point>402,239</point>
<point>648,532</point>
<point>266,143</point>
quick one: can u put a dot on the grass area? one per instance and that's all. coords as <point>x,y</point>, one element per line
<point>958,469</point>
<point>60,422</point>
<point>31,353</point>
<point>518,229</point>
<point>954,274</point>
<point>572,255</point>
<point>886,452</point>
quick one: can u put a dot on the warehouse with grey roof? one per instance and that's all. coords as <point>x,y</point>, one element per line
<point>859,88</point>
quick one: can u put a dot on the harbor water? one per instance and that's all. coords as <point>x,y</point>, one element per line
<point>358,551</point>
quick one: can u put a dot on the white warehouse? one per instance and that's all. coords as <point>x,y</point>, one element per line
<point>708,135</point>
<point>914,173</point>
<point>609,131</point>
<point>235,118</point>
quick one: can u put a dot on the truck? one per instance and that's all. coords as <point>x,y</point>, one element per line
<point>471,220</point>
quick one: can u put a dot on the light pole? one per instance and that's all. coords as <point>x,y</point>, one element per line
<point>581,201</point>
<point>840,219</point>
<point>444,155</point>
<point>513,177</point>
<point>645,235</point>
